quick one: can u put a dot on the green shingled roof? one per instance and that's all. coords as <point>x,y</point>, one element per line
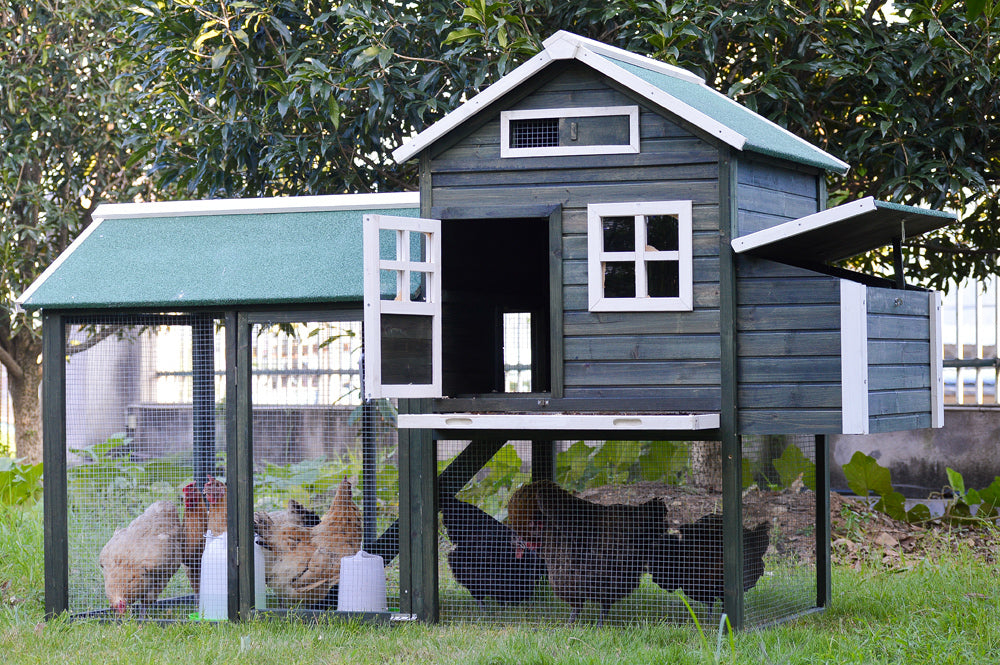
<point>211,260</point>
<point>762,136</point>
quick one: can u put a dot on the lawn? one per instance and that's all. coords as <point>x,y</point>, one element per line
<point>943,607</point>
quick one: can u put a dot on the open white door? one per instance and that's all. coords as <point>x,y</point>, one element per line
<point>402,333</point>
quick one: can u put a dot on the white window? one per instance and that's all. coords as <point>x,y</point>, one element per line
<point>639,256</point>
<point>569,131</point>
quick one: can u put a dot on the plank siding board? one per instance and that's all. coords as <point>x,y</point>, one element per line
<point>895,352</point>
<point>792,370</point>
<point>704,321</point>
<point>706,270</point>
<point>779,204</point>
<point>800,343</point>
<point>789,421</point>
<point>806,396</point>
<point>669,398</point>
<point>705,295</point>
<point>642,373</point>
<point>898,327</point>
<point>779,318</point>
<point>573,195</point>
<point>772,176</point>
<point>643,347</point>
<point>894,302</point>
<point>749,267</point>
<point>596,174</point>
<point>896,402</point>
<point>891,377</point>
<point>704,218</point>
<point>877,424</point>
<point>702,245</point>
<point>789,291</point>
<point>749,221</point>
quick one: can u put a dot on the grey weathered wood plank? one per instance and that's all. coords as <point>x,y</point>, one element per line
<point>898,352</point>
<point>576,196</point>
<point>773,176</point>
<point>780,344</point>
<point>806,317</point>
<point>801,396</point>
<point>892,377</point>
<point>895,402</point>
<point>670,398</point>
<point>877,424</point>
<point>596,172</point>
<point>749,221</point>
<point>883,326</point>
<point>639,323</point>
<point>642,373</point>
<point>702,244</point>
<point>704,217</point>
<point>898,303</point>
<point>789,291</point>
<point>822,369</point>
<point>749,267</point>
<point>705,271</point>
<point>643,347</point>
<point>705,295</point>
<point>778,204</point>
<point>790,421</point>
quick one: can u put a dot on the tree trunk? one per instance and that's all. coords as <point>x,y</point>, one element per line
<point>706,465</point>
<point>26,397</point>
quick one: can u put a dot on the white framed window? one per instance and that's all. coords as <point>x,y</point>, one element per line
<point>595,130</point>
<point>639,256</point>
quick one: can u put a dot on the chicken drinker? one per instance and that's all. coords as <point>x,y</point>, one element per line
<point>362,583</point>
<point>213,597</point>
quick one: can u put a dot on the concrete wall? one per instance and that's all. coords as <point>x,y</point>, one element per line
<point>969,442</point>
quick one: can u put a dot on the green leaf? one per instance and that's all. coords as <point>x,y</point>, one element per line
<point>461,35</point>
<point>204,37</point>
<point>793,464</point>
<point>973,8</point>
<point>864,476</point>
<point>918,513</point>
<point>956,482</point>
<point>219,57</point>
<point>892,504</point>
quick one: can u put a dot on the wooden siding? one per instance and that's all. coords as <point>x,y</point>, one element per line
<point>769,194</point>
<point>670,359</point>
<point>899,353</point>
<point>788,349</point>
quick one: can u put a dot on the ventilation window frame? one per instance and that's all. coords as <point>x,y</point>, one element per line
<point>632,147</point>
<point>597,257</point>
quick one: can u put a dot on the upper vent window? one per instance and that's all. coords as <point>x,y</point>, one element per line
<point>569,131</point>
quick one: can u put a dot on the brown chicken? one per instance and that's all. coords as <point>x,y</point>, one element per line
<point>139,560</point>
<point>195,523</point>
<point>691,561</point>
<point>215,493</point>
<point>303,562</point>
<point>592,552</point>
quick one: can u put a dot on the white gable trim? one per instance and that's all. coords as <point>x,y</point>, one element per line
<point>257,206</point>
<point>563,37</point>
<point>65,254</point>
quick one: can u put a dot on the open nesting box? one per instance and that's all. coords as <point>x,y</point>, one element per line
<point>666,255</point>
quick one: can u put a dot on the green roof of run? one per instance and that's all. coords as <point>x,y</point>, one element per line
<point>762,136</point>
<point>211,260</point>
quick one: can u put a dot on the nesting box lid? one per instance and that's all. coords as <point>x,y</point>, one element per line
<point>216,253</point>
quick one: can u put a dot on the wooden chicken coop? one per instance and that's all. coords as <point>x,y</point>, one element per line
<point>612,326</point>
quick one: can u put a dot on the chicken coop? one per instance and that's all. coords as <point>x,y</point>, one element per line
<point>588,372</point>
<point>208,451</point>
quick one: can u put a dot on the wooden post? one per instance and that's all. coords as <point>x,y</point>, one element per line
<point>418,519</point>
<point>732,451</point>
<point>239,467</point>
<point>824,590</point>
<point>543,460</point>
<point>54,460</point>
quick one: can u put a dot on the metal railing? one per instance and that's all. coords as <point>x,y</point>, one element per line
<point>970,321</point>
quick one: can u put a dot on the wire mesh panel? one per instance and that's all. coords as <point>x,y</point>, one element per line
<point>779,481</point>
<point>144,423</point>
<point>613,532</point>
<point>326,482</point>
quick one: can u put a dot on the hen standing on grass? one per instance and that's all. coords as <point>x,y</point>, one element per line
<point>487,559</point>
<point>592,552</point>
<point>691,561</point>
<point>139,560</point>
<point>195,523</point>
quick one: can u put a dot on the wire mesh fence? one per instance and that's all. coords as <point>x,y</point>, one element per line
<point>621,530</point>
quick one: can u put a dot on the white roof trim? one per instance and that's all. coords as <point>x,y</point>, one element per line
<point>65,254</point>
<point>804,224</point>
<point>559,421</point>
<point>276,204</point>
<point>621,54</point>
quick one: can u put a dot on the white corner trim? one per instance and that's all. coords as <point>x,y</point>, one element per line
<point>937,361</point>
<point>663,99</point>
<point>631,112</point>
<point>854,357</point>
<point>65,254</point>
<point>559,421</point>
<point>258,206</point>
<point>802,225</point>
<point>473,106</point>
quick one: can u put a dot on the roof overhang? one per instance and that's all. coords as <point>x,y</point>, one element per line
<point>215,253</point>
<point>842,232</point>
<point>615,63</point>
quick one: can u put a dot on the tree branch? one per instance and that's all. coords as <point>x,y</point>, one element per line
<point>13,368</point>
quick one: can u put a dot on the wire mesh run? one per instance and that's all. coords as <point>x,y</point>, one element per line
<point>326,483</point>
<point>613,532</point>
<point>144,420</point>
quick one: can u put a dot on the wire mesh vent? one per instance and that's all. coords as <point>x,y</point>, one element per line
<point>534,133</point>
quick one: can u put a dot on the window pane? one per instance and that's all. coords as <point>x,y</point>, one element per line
<point>418,246</point>
<point>388,284</point>
<point>418,286</point>
<point>662,279</point>
<point>619,280</point>
<point>661,233</point>
<point>619,234</point>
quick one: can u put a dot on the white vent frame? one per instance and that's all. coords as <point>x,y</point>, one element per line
<point>632,147</point>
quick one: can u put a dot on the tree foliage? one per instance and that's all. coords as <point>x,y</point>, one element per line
<point>61,136</point>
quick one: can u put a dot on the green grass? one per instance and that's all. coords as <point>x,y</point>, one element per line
<point>945,610</point>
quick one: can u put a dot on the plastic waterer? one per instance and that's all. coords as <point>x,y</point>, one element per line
<point>213,596</point>
<point>362,584</point>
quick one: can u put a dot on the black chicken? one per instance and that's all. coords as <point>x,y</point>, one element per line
<point>592,552</point>
<point>487,559</point>
<point>692,560</point>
